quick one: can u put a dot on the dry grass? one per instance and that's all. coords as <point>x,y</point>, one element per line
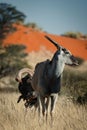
<point>13,116</point>
<point>34,57</point>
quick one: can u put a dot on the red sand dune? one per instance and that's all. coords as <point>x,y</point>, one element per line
<point>34,39</point>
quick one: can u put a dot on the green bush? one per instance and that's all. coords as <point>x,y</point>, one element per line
<point>12,59</point>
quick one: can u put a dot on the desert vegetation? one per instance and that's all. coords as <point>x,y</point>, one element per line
<point>75,85</point>
<point>68,115</point>
<point>71,110</point>
<point>76,35</point>
<point>12,57</point>
<point>33,25</point>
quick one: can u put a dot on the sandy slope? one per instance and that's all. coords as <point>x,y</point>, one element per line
<point>34,40</point>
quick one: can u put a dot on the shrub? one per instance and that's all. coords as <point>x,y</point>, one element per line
<point>33,25</point>
<point>12,59</point>
<point>74,84</point>
<point>75,35</point>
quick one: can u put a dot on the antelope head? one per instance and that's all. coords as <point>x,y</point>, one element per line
<point>64,55</point>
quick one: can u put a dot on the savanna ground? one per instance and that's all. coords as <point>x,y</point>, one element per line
<point>13,116</point>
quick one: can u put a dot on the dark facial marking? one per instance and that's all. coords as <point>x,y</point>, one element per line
<point>65,51</point>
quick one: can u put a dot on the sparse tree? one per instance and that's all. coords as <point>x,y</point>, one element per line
<point>11,57</point>
<point>8,15</point>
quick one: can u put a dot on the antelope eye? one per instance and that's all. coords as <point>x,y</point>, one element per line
<point>66,52</point>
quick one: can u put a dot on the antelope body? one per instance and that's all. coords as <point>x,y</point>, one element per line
<point>46,80</point>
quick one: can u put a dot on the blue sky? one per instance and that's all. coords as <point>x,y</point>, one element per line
<point>54,16</point>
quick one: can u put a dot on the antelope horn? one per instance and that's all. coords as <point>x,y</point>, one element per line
<point>22,71</point>
<point>52,41</point>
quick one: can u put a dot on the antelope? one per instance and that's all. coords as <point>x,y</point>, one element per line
<point>46,79</point>
<point>25,88</point>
